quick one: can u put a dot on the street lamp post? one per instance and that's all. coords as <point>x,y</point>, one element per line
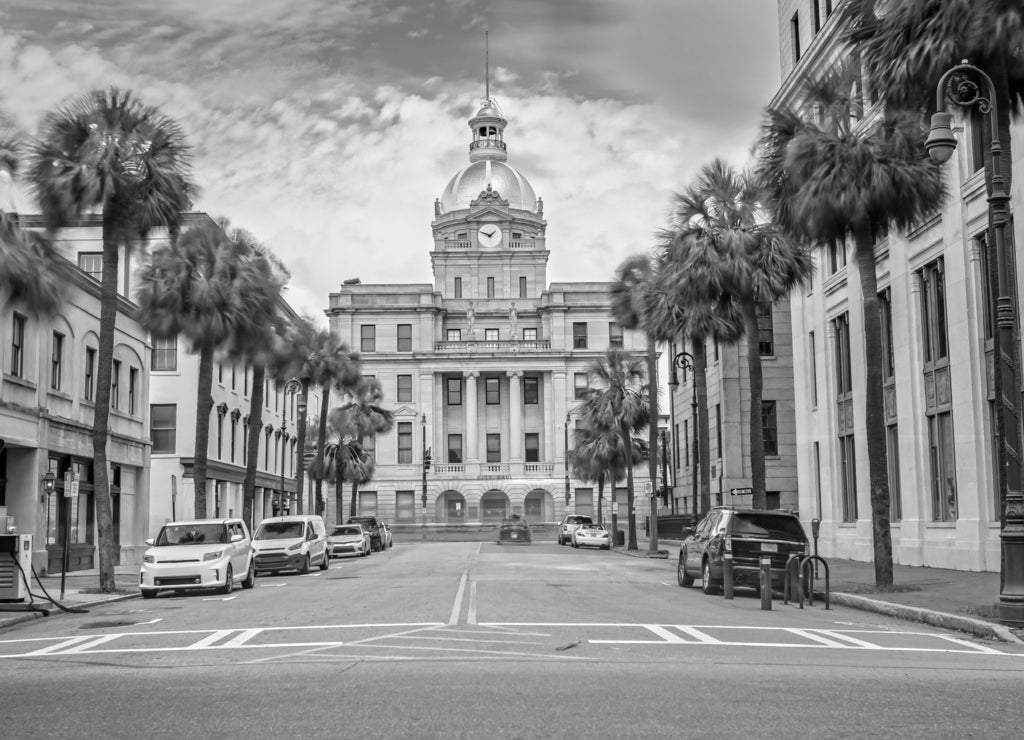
<point>293,385</point>
<point>568,495</point>
<point>426,465</point>
<point>664,472</point>
<point>684,362</point>
<point>958,87</point>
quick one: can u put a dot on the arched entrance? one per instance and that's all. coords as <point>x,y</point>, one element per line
<point>450,508</point>
<point>539,506</point>
<point>493,506</point>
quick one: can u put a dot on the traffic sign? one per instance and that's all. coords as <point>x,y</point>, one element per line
<point>741,491</point>
<point>71,484</point>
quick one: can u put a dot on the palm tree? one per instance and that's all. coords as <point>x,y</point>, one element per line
<point>740,256</point>
<point>599,456</point>
<point>106,151</point>
<point>362,416</point>
<point>832,176</point>
<point>616,403</point>
<point>208,288</point>
<point>633,280</point>
<point>344,459</point>
<point>29,260</point>
<point>337,367</point>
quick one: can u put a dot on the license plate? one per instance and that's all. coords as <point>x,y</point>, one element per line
<point>515,535</point>
<point>769,547</point>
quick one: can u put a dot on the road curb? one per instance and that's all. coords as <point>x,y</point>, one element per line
<point>978,627</point>
<point>28,616</point>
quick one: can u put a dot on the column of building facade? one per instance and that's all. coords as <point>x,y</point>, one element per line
<point>515,415</point>
<point>472,431</point>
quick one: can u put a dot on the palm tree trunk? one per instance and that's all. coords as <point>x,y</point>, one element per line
<point>874,412</point>
<point>321,439</point>
<point>252,442</point>
<point>109,553</point>
<point>628,443</point>
<point>301,448</point>
<point>755,420</point>
<point>703,432</point>
<point>652,439</point>
<point>204,405</point>
<point>600,500</point>
<point>355,496</point>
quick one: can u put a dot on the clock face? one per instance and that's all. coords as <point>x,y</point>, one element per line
<point>489,235</point>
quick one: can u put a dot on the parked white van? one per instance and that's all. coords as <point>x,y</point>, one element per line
<point>291,543</point>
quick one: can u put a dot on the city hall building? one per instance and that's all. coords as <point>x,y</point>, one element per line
<point>485,367</point>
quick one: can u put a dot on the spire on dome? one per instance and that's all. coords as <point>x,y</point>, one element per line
<point>488,124</point>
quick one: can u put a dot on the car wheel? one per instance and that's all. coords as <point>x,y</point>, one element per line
<point>305,565</point>
<point>708,586</point>
<point>681,577</point>
<point>229,582</point>
<point>326,562</point>
<point>250,577</point>
<point>148,593</point>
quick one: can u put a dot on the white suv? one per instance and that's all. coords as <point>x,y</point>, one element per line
<point>569,525</point>
<point>202,553</point>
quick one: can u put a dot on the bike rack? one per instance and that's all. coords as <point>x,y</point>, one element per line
<point>803,567</point>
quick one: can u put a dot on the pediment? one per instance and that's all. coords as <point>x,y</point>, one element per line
<point>488,197</point>
<point>404,411</point>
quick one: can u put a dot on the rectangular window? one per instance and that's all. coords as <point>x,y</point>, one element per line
<point>458,287</point>
<point>405,506</point>
<point>686,442</point>
<point>234,434</point>
<point>454,335</point>
<point>90,373</point>
<point>57,360</point>
<point>405,337</point>
<point>133,388</point>
<point>492,391</point>
<point>404,394</point>
<point>844,381</point>
<point>892,449</point>
<point>812,357</point>
<point>581,383</point>
<point>836,256</point>
<point>579,335</point>
<point>522,286</point>
<point>220,437</point>
<point>943,467</point>
<point>531,390</point>
<point>490,287</point>
<point>529,335</point>
<point>115,385</point>
<point>615,338</point>
<point>368,338</point>
<point>91,263</point>
<point>933,312</point>
<point>848,477</point>
<point>817,15</point>
<point>404,442</point>
<point>369,443</point>
<point>585,501</point>
<point>245,380</point>
<point>532,447</point>
<point>220,373</point>
<point>794,31</point>
<point>975,131</point>
<point>454,391</point>
<point>491,335</point>
<point>765,330</point>
<point>718,428</point>
<point>367,503</point>
<point>163,423</point>
<point>769,428</point>
<point>233,380</point>
<point>455,448</point>
<point>18,345</point>
<point>493,448</point>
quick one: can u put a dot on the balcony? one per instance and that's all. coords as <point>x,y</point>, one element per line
<point>499,345</point>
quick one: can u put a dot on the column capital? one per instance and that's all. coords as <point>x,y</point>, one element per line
<point>471,373</point>
<point>514,373</point>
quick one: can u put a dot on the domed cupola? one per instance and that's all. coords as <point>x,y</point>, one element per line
<point>488,168</point>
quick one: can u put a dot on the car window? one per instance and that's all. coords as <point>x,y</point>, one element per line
<point>192,534</point>
<point>279,531</point>
<point>347,530</point>
<point>767,525</point>
<point>578,520</point>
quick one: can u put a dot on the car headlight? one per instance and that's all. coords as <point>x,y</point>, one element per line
<point>148,559</point>
<point>296,546</point>
<point>213,555</point>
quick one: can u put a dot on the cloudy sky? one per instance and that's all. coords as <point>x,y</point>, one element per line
<point>328,127</point>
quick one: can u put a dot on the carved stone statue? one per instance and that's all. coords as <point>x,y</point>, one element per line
<point>471,318</point>
<point>513,317</point>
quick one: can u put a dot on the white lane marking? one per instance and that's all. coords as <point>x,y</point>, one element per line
<point>87,646</point>
<point>152,621</point>
<point>271,585</point>
<point>467,639</point>
<point>965,643</point>
<point>243,637</point>
<point>842,637</point>
<point>209,640</point>
<point>664,633</point>
<point>60,646</point>
<point>471,616</point>
<point>697,634</point>
<point>220,598</point>
<point>457,607</point>
<point>809,635</point>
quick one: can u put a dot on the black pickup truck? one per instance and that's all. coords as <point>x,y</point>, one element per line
<point>372,525</point>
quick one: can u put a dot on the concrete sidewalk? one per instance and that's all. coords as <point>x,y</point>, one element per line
<point>81,590</point>
<point>955,599</point>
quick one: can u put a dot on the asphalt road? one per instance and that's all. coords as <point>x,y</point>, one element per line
<point>454,640</point>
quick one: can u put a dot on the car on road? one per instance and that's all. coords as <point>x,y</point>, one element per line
<point>514,529</point>
<point>569,524</point>
<point>746,534</point>
<point>198,554</point>
<point>387,540</point>
<point>591,535</point>
<point>294,542</point>
<point>348,539</point>
<point>372,525</point>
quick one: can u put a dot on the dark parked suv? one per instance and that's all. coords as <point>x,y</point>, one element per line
<point>747,534</point>
<point>372,525</point>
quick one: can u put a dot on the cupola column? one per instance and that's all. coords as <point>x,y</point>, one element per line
<point>515,415</point>
<point>472,422</point>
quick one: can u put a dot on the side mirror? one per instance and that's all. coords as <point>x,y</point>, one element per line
<point>150,542</point>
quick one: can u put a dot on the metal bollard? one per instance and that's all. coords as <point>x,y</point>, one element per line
<point>766,582</point>
<point>727,575</point>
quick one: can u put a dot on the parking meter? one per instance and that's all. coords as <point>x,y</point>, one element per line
<point>815,527</point>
